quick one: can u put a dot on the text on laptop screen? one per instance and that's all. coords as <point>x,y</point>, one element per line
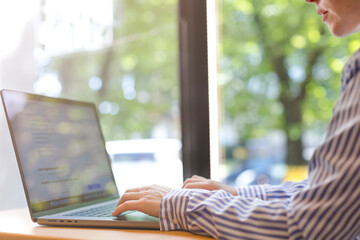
<point>61,150</point>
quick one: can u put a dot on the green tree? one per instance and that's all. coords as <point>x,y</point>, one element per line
<point>280,69</point>
<point>138,71</point>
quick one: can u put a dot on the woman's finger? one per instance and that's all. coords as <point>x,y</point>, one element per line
<point>194,180</point>
<point>126,206</point>
<point>198,185</point>
<point>130,196</point>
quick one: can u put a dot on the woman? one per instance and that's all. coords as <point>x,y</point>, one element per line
<point>325,206</point>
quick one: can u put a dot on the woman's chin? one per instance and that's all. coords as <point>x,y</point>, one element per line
<point>339,31</point>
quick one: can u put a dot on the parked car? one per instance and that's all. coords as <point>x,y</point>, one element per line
<point>143,162</point>
<point>264,164</point>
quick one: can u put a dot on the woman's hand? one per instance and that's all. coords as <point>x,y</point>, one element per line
<point>144,199</point>
<point>197,182</point>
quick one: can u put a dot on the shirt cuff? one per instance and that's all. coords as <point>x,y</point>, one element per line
<point>172,210</point>
<point>252,191</point>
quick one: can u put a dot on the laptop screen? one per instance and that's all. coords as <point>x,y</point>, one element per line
<point>60,150</point>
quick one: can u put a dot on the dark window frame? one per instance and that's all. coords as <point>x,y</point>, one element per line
<point>194,87</point>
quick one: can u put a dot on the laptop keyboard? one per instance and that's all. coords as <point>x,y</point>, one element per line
<point>101,211</point>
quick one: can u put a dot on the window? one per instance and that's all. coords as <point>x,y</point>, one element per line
<point>120,54</point>
<point>277,81</point>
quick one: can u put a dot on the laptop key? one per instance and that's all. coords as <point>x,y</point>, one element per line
<point>102,211</point>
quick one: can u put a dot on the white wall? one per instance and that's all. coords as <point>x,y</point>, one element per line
<point>18,20</point>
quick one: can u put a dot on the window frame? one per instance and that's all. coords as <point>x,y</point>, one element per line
<point>194,87</point>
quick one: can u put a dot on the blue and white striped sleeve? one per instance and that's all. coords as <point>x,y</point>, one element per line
<point>223,216</point>
<point>305,215</point>
<point>327,206</point>
<point>272,192</point>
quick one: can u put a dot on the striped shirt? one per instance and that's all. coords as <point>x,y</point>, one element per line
<point>325,206</point>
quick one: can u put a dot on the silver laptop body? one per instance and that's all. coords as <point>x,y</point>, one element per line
<point>64,167</point>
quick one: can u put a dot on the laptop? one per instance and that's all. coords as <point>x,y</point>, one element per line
<point>65,169</point>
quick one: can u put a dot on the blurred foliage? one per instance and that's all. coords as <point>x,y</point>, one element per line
<point>140,89</point>
<point>280,68</point>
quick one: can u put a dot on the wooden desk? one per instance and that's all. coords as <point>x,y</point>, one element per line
<point>16,224</point>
